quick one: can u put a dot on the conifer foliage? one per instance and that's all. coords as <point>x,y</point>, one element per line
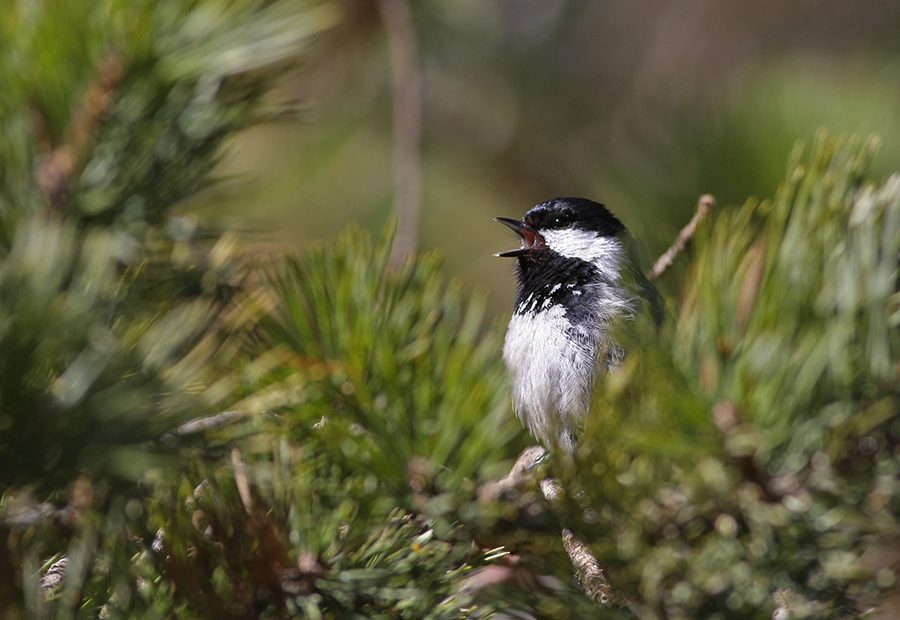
<point>748,461</point>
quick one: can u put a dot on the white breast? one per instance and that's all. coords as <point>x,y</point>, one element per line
<point>552,365</point>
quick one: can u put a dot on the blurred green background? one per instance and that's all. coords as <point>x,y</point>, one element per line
<point>643,106</point>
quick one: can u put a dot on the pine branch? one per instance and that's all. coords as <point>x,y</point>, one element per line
<point>61,162</point>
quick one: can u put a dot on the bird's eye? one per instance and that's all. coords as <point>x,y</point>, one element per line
<point>560,221</point>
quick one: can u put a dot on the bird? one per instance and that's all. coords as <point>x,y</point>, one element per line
<point>577,279</point>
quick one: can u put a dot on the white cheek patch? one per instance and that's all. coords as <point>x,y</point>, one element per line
<point>606,253</point>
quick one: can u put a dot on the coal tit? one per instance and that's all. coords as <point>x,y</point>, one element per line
<point>576,279</point>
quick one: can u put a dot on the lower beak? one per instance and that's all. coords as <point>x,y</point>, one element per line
<point>531,240</point>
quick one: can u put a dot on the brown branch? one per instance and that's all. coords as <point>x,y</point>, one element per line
<point>704,206</point>
<point>59,164</point>
<point>588,571</point>
<point>406,84</point>
<point>587,568</point>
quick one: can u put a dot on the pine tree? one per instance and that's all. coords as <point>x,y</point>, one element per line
<point>184,435</point>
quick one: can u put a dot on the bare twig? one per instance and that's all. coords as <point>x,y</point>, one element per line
<point>170,439</point>
<point>401,36</point>
<point>704,206</point>
<point>587,568</point>
<point>199,425</point>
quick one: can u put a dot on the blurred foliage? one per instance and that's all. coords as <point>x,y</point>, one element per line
<point>99,276</point>
<point>79,374</point>
<point>748,460</point>
<point>115,306</point>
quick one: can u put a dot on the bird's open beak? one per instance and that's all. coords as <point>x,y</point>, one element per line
<point>531,239</point>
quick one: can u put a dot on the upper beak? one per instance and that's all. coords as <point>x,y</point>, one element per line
<point>531,239</point>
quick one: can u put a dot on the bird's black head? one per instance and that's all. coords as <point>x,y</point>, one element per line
<point>575,214</point>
